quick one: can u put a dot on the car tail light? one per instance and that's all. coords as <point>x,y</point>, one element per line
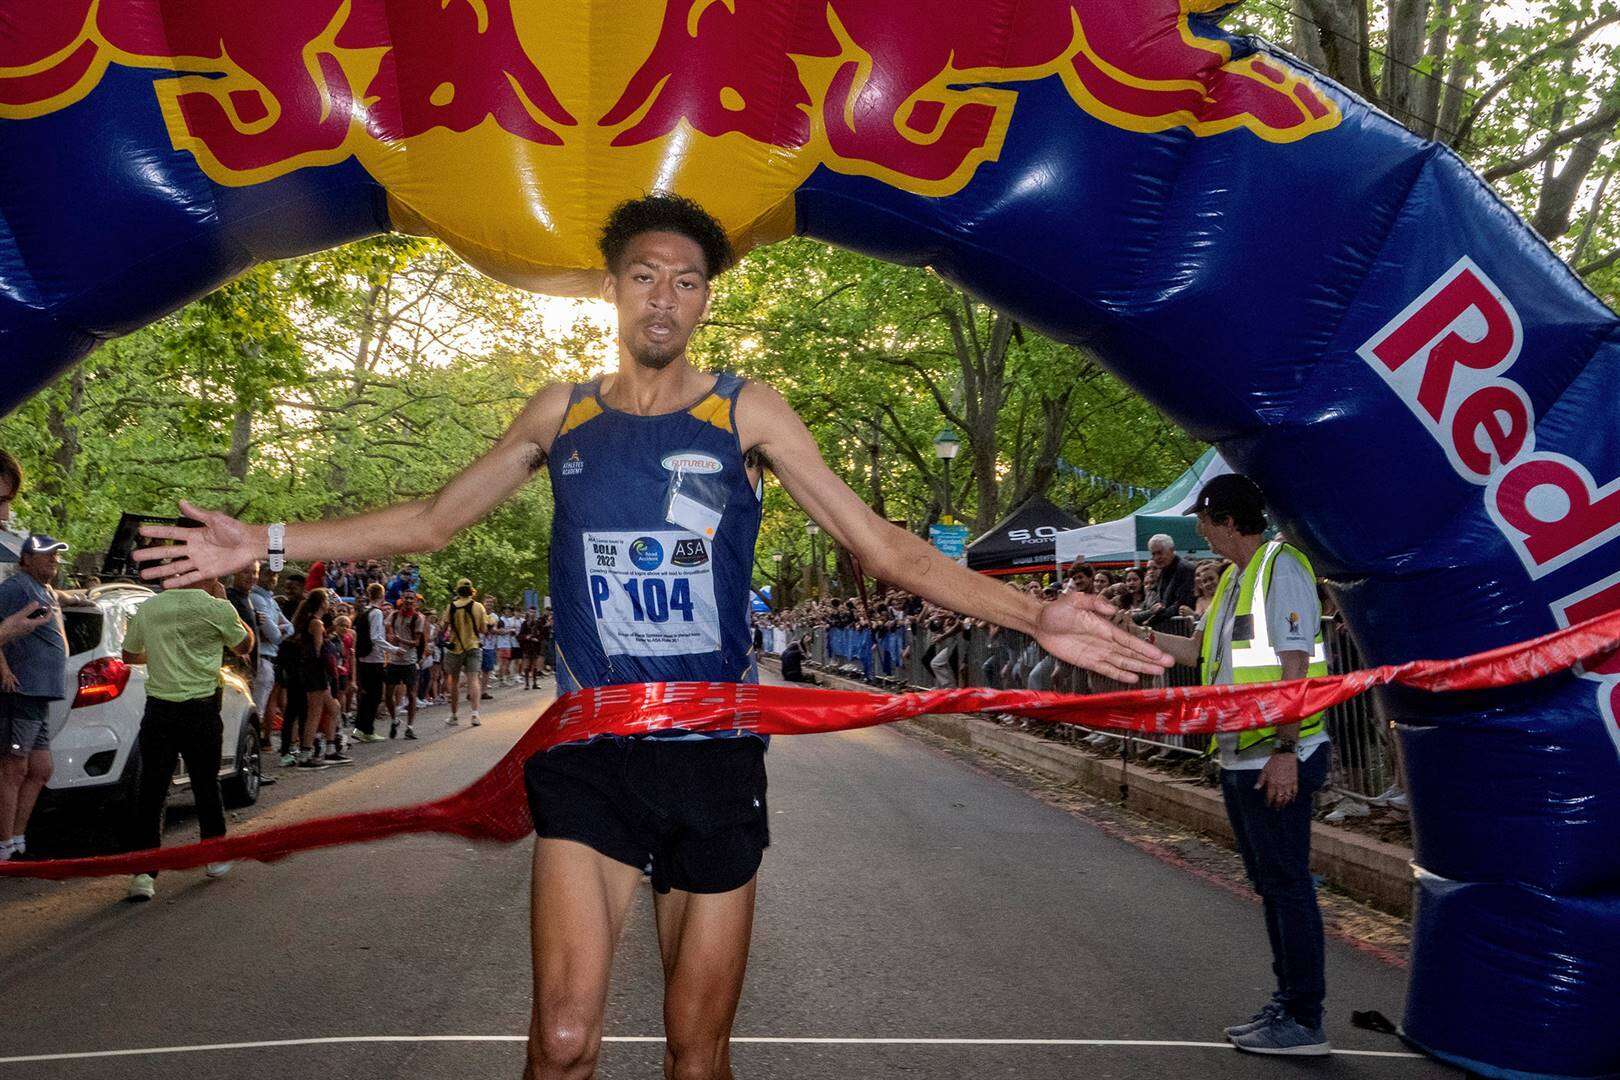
<point>101,681</point>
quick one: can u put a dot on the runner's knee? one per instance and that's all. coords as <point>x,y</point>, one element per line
<point>563,1039</point>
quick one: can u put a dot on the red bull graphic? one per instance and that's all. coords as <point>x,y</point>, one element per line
<point>908,90</point>
<point>1424,392</point>
<point>1445,356</point>
<point>263,96</point>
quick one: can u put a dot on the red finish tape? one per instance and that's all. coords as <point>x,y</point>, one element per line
<point>495,807</point>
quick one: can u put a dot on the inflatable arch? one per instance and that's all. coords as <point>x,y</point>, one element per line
<point>1425,391</point>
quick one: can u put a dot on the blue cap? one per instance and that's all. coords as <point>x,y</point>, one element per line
<point>40,544</point>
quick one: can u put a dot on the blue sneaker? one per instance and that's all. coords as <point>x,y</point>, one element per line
<point>1284,1035</point>
<point>1272,1011</point>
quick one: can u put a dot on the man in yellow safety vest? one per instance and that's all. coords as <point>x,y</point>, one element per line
<point>1264,624</point>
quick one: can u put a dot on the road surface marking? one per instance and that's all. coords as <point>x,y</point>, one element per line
<point>744,1039</point>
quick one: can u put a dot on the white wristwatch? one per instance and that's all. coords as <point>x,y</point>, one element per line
<point>278,546</point>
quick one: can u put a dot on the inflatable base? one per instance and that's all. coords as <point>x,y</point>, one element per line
<point>1512,982</point>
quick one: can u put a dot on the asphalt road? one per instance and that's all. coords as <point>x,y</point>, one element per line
<point>913,911</point>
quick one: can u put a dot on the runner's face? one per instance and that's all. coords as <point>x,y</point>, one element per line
<point>661,293</point>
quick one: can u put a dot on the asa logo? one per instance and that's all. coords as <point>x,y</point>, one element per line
<point>646,553</point>
<point>574,465</point>
<point>692,462</point>
<point>689,552</point>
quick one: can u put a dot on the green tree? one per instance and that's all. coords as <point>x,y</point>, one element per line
<point>1527,93</point>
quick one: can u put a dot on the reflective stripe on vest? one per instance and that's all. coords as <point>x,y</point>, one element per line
<point>1253,658</point>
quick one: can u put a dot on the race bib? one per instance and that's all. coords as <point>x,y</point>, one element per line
<point>652,593</point>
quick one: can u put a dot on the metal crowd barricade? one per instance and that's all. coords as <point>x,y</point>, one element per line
<point>1364,761</point>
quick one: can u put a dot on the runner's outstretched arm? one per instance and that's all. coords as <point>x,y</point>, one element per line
<point>222,544</point>
<point>1075,628</point>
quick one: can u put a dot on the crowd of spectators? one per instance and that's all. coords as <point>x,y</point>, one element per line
<point>347,658</point>
<point>879,636</point>
<point>329,650</point>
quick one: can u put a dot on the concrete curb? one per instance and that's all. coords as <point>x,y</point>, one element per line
<point>1370,870</point>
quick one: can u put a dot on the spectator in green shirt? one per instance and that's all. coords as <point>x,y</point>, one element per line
<point>178,635</point>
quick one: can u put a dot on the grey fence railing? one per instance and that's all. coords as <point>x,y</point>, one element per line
<point>1364,762</point>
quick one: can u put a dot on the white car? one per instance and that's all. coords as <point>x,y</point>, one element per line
<point>94,734</point>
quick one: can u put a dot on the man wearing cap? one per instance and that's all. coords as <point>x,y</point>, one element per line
<point>1264,624</point>
<point>33,673</point>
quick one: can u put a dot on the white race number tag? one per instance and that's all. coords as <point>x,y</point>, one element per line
<point>652,592</point>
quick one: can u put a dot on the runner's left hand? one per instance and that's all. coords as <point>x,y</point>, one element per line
<point>219,548</point>
<point>1077,628</point>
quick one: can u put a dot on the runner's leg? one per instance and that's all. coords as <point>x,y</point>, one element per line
<point>704,939</point>
<point>578,902</point>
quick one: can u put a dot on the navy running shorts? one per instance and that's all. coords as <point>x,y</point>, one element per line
<point>691,813</point>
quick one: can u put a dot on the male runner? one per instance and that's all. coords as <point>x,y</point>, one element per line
<point>656,471</point>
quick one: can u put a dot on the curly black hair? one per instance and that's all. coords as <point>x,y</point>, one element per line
<point>665,212</point>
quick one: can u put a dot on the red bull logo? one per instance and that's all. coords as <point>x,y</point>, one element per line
<point>266,94</point>
<point>905,90</point>
<point>480,117</point>
<point>1447,356</point>
<point>901,86</point>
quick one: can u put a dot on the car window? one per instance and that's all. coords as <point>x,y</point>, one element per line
<point>83,630</point>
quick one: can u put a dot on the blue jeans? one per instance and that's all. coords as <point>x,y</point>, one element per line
<point>489,659</point>
<point>1276,850</point>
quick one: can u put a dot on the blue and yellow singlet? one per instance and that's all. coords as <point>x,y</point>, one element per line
<point>637,597</point>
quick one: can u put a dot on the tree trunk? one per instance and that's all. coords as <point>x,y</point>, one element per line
<point>873,449</point>
<point>1559,190</point>
<point>1426,98</point>
<point>1592,215</point>
<point>237,460</point>
<point>1408,22</point>
<point>983,410</point>
<point>1042,469</point>
<point>337,474</point>
<point>1306,41</point>
<point>1459,74</point>
<point>1341,27</point>
<point>62,422</point>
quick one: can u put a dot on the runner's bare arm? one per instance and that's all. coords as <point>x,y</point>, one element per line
<point>1074,628</point>
<point>223,545</point>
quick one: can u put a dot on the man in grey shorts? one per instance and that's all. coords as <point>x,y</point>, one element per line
<point>32,675</point>
<point>465,621</point>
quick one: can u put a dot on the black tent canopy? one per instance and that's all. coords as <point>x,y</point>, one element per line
<point>1022,542</point>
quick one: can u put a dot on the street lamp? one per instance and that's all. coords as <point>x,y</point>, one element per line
<point>946,446</point>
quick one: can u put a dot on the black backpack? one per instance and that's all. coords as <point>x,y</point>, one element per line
<point>362,633</point>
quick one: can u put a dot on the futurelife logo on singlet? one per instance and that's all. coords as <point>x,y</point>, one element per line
<point>652,593</point>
